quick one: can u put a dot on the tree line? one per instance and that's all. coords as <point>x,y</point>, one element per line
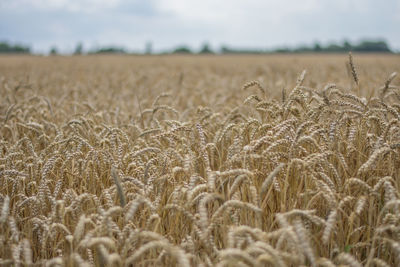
<point>373,46</point>
<point>5,47</point>
<point>363,46</point>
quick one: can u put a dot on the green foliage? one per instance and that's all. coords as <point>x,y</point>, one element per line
<point>78,49</point>
<point>182,50</point>
<point>206,49</point>
<point>228,50</point>
<point>364,46</point>
<point>374,46</point>
<point>53,51</point>
<point>8,48</point>
<point>109,50</point>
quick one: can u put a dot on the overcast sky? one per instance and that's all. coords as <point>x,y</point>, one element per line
<point>168,23</point>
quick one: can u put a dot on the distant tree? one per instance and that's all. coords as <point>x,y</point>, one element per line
<point>7,48</point>
<point>282,50</point>
<point>53,51</point>
<point>182,50</point>
<point>4,47</point>
<point>206,49</point>
<point>227,50</point>
<point>317,47</point>
<point>78,49</point>
<point>149,48</point>
<point>109,50</point>
<point>333,48</point>
<point>372,46</point>
<point>303,49</point>
<point>347,46</point>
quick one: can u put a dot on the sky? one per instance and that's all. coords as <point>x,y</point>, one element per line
<point>261,24</point>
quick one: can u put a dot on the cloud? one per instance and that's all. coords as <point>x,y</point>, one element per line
<point>78,6</point>
<point>240,23</point>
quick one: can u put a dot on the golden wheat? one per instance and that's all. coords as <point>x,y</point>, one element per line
<point>163,161</point>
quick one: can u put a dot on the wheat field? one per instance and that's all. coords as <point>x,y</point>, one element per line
<point>275,160</point>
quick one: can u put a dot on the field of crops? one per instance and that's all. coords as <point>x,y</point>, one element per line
<point>200,160</point>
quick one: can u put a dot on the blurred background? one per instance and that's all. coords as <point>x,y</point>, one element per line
<point>208,26</point>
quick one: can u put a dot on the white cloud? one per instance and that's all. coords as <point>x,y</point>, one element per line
<point>87,6</point>
<point>211,10</point>
<point>241,23</point>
